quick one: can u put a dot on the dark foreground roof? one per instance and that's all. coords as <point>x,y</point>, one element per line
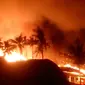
<point>31,72</point>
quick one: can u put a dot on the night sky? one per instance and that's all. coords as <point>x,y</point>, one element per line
<point>15,14</point>
<point>18,16</point>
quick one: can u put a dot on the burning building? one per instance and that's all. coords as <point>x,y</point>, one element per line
<point>74,74</point>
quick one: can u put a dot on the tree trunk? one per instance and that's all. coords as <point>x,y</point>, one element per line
<point>80,75</point>
<point>32,52</point>
<point>20,49</point>
<point>42,54</point>
<point>26,52</point>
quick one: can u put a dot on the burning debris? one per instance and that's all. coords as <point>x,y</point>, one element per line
<point>73,68</point>
<point>74,74</point>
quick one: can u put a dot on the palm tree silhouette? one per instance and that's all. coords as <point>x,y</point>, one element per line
<point>29,42</point>
<point>1,44</point>
<point>7,47</point>
<point>41,41</point>
<point>18,42</point>
<point>32,41</point>
<point>77,50</point>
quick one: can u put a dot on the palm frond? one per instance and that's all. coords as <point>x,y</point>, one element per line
<point>12,41</point>
<point>39,40</point>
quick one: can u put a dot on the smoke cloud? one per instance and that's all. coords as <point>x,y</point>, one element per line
<point>14,14</point>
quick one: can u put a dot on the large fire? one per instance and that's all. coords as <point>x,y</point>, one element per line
<point>13,57</point>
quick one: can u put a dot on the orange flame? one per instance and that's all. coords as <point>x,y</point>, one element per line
<point>73,67</point>
<point>1,53</point>
<point>13,57</point>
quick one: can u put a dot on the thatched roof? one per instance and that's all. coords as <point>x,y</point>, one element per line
<point>32,72</point>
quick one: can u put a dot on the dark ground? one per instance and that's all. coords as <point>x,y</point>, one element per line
<point>31,72</point>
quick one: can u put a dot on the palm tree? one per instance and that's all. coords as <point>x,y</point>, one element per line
<point>7,47</point>
<point>32,41</point>
<point>29,42</point>
<point>18,42</point>
<point>77,50</point>
<point>1,44</point>
<point>40,41</point>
